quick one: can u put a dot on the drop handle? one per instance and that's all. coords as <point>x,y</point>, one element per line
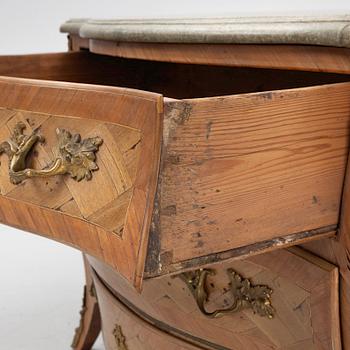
<point>245,294</point>
<point>74,156</point>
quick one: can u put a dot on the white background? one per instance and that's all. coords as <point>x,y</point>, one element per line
<point>42,281</point>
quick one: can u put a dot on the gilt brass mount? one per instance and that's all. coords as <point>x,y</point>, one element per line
<point>119,338</point>
<point>74,156</point>
<point>245,295</point>
<point>79,329</point>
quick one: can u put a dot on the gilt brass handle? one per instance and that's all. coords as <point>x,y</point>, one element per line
<point>74,156</point>
<point>245,295</point>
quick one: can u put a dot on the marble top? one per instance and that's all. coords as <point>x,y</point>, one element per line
<point>327,31</point>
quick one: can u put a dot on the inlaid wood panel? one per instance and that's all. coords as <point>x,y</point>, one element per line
<point>305,299</point>
<point>123,330</point>
<point>249,172</point>
<point>105,199</point>
<point>108,216</point>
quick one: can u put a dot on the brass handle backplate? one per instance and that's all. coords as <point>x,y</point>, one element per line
<point>245,295</point>
<point>74,156</point>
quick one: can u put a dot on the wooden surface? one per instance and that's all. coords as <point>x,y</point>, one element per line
<point>90,317</point>
<point>305,296</point>
<point>65,66</point>
<point>136,334</point>
<point>212,147</point>
<point>169,79</point>
<point>294,57</point>
<point>110,111</point>
<point>334,251</point>
<point>337,251</point>
<point>342,252</point>
<point>251,168</point>
<point>240,175</point>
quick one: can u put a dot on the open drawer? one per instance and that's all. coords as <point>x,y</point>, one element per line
<point>231,163</point>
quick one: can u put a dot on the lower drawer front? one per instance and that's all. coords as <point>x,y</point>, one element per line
<point>304,299</point>
<point>123,330</point>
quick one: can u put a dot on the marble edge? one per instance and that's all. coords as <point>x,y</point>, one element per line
<point>326,31</point>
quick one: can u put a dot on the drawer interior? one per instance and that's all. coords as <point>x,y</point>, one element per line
<point>174,80</point>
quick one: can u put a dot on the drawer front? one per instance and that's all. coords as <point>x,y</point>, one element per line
<point>107,213</point>
<point>304,300</point>
<point>123,330</point>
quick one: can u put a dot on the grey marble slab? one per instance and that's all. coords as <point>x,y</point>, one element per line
<point>327,31</point>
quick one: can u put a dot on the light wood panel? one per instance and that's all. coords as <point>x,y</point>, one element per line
<point>252,168</point>
<point>342,252</point>
<point>337,251</point>
<point>305,297</point>
<point>130,122</point>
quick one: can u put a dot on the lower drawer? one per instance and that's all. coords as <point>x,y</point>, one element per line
<point>123,330</point>
<point>304,299</point>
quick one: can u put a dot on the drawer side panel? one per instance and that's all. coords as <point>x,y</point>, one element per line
<point>242,170</point>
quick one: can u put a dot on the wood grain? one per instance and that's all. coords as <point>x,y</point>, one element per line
<point>152,271</point>
<point>136,334</point>
<point>293,57</point>
<point>337,251</point>
<point>240,175</point>
<point>173,80</point>
<point>65,66</point>
<point>88,109</point>
<point>304,295</point>
<point>118,159</point>
<point>76,43</point>
<point>342,252</point>
<point>244,169</point>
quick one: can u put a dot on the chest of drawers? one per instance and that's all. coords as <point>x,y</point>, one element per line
<point>201,167</point>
